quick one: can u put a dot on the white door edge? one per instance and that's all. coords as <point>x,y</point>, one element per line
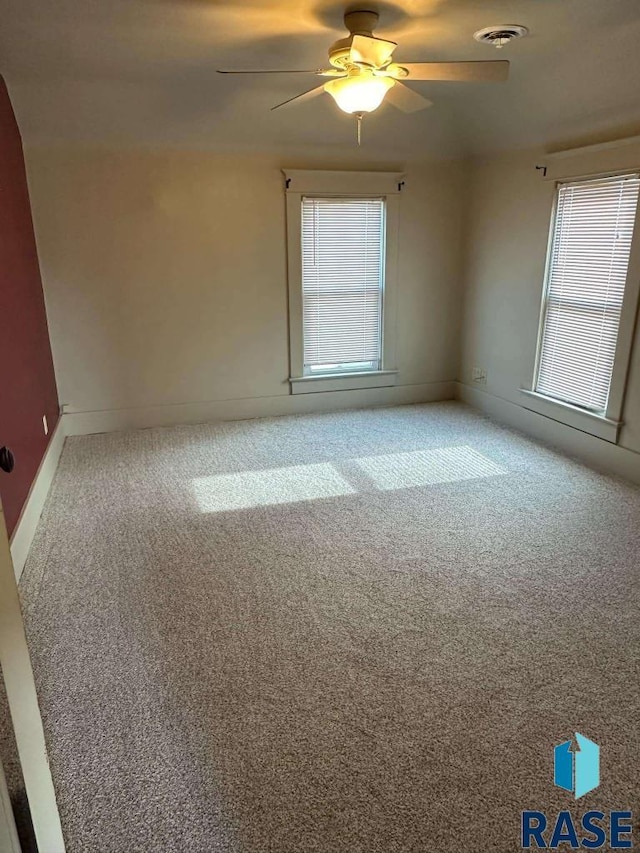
<point>25,711</point>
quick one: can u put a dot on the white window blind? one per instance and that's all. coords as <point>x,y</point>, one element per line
<point>587,272</point>
<point>342,283</point>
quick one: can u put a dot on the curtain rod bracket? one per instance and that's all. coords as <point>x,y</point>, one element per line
<point>542,169</point>
<point>400,185</point>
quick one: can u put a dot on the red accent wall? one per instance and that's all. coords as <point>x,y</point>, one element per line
<point>27,381</point>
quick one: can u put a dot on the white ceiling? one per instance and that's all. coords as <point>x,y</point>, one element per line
<point>143,72</point>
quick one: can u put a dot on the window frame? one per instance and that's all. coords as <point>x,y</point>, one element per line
<point>605,425</point>
<point>333,184</point>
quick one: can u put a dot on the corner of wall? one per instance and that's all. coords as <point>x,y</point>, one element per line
<point>505,236</point>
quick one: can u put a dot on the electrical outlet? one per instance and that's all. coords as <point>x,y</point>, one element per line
<point>479,375</point>
<point>45,425</point>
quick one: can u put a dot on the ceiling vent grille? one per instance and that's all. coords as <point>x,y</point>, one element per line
<point>500,35</point>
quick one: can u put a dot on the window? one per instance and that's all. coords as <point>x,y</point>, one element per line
<point>587,272</point>
<point>342,284</point>
<point>342,250</point>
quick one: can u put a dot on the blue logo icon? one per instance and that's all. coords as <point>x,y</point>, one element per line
<point>576,766</point>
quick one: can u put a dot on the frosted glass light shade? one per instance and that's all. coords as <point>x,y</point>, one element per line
<point>361,94</point>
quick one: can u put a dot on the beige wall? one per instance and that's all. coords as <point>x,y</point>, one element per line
<point>165,281</point>
<point>165,274</point>
<point>506,235</point>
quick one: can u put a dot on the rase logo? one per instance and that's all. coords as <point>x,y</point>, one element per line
<point>576,768</point>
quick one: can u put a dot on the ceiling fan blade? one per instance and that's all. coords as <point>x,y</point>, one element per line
<point>277,71</point>
<point>406,99</point>
<point>298,99</point>
<point>473,72</point>
<point>371,51</point>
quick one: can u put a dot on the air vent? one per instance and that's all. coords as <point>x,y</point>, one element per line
<point>500,35</point>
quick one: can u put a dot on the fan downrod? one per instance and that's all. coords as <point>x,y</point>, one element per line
<point>361,23</point>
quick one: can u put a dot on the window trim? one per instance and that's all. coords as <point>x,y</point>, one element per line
<point>333,184</point>
<point>343,381</point>
<point>573,416</point>
<point>607,424</point>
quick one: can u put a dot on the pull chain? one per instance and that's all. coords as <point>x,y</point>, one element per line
<point>359,118</point>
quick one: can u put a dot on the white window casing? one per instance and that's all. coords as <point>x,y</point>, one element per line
<point>589,304</point>
<point>342,241</point>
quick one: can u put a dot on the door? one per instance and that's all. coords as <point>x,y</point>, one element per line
<point>25,715</point>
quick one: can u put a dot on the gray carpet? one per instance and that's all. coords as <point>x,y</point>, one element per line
<point>359,632</point>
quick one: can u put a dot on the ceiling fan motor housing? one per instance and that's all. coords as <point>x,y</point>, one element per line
<point>359,23</point>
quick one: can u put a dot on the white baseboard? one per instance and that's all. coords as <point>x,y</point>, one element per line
<point>31,511</point>
<point>85,423</point>
<point>595,452</point>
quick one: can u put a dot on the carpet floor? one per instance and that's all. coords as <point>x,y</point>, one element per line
<point>347,633</point>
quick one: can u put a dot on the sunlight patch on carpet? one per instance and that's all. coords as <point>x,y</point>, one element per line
<point>428,467</point>
<point>224,492</point>
<point>291,484</point>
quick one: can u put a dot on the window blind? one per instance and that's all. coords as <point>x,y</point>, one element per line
<point>342,283</point>
<point>587,271</point>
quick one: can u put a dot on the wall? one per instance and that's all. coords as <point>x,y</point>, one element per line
<point>507,231</point>
<point>165,274</point>
<point>28,385</point>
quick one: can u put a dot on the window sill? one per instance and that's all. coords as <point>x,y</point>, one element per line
<point>343,381</point>
<point>573,416</point>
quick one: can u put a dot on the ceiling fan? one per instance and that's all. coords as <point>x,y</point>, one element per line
<point>363,75</point>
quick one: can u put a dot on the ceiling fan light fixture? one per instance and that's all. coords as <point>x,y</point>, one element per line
<point>361,93</point>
